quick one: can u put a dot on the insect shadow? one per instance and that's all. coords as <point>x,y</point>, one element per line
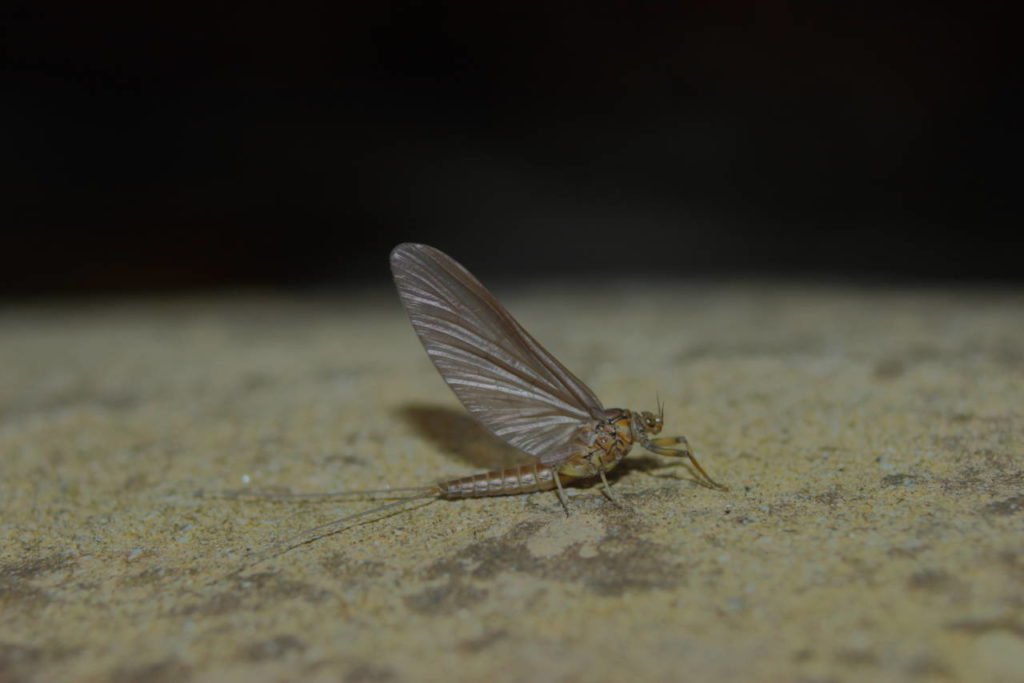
<point>457,434</point>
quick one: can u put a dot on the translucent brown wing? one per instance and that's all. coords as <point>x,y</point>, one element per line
<point>506,380</point>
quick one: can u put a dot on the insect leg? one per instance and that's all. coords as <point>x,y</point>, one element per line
<point>613,497</point>
<point>561,492</point>
<point>663,446</point>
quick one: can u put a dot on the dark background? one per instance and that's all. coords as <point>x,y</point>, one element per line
<point>172,146</point>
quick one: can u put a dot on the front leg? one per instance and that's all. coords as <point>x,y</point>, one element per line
<point>664,446</point>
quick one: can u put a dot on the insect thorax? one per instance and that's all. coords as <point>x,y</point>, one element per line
<point>600,445</point>
<point>619,425</point>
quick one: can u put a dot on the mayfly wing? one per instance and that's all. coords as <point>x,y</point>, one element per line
<point>504,377</point>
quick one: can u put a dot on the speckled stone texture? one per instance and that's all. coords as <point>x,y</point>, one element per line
<point>872,440</point>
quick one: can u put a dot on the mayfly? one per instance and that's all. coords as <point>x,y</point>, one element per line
<point>514,387</point>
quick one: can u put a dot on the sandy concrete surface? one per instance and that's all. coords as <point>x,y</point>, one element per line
<point>873,441</point>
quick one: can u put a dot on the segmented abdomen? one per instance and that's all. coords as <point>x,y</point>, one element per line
<point>507,482</point>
